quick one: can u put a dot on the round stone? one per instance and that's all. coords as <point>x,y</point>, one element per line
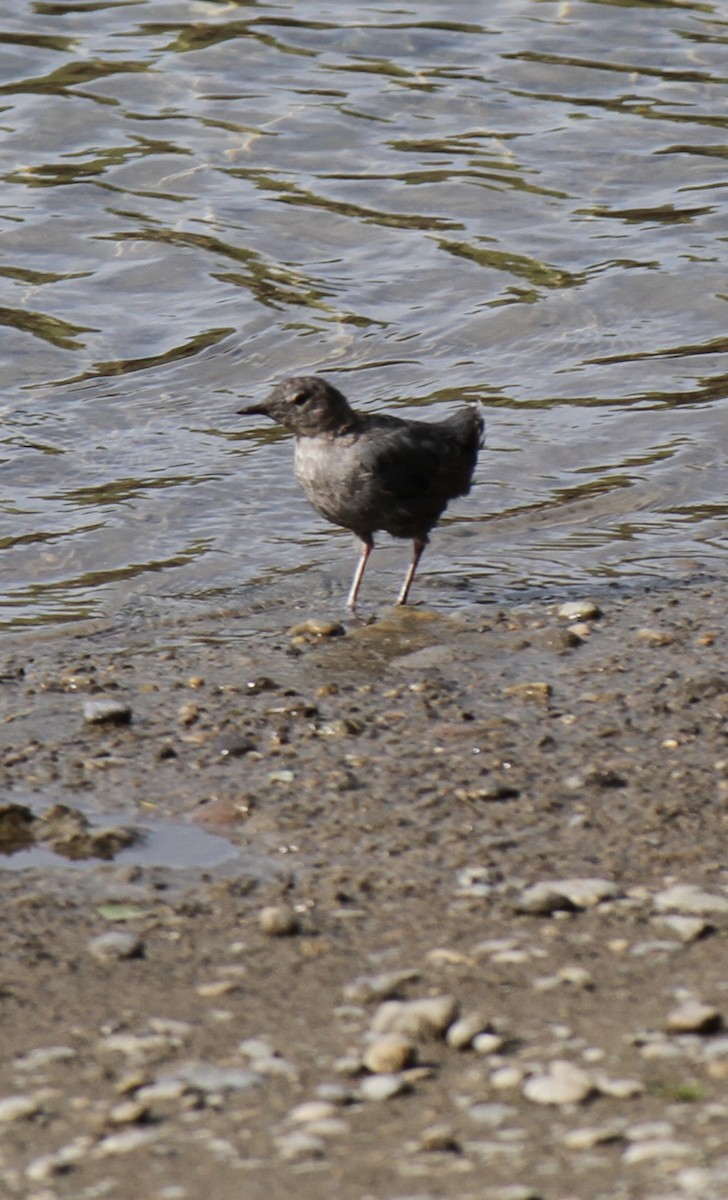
<point>277,920</point>
<point>389,1054</point>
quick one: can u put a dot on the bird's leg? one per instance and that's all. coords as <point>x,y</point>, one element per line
<point>367,545</point>
<point>418,547</point>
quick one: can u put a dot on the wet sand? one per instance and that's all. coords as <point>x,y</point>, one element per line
<point>516,814</point>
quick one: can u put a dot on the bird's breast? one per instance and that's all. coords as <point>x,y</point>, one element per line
<point>329,470</point>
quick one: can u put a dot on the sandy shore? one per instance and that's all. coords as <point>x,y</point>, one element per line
<point>515,817</point>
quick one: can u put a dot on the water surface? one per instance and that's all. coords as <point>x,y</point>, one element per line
<point>524,202</point>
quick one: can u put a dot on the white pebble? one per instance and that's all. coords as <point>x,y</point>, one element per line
<point>116,946</point>
<point>688,898</point>
<point>382,1087</point>
<point>579,610</point>
<point>564,1083</point>
<point>312,1110</point>
<point>461,1033</point>
<point>427,1017</point>
<point>694,1017</point>
<point>661,1151</point>
<point>17,1108</point>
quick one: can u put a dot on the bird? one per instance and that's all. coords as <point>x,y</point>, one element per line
<point>373,471</point>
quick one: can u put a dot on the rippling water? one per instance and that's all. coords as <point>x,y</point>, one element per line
<point>523,201</point>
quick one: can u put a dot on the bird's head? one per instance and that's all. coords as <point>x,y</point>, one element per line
<point>306,405</point>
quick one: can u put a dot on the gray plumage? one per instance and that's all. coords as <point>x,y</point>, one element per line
<point>368,472</point>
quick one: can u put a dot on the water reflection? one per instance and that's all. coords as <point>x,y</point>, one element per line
<point>199,197</point>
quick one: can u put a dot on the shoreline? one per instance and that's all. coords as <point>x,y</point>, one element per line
<point>414,800</point>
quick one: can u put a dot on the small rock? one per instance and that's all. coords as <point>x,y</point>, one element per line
<point>124,1143</point>
<point>461,1033</point>
<point>300,1147</point>
<point>204,1077</point>
<point>559,894</point>
<point>188,713</point>
<point>130,1112</point>
<point>102,710</point>
<point>312,1110</point>
<point>564,1083</point>
<point>687,929</point>
<point>620,1089</point>
<point>389,1054</point>
<point>688,898</point>
<point>438,1139</point>
<point>655,637</point>
<point>593,1135</point>
<point>45,1056</point>
<point>538,691</point>
<point>16,826</point>
<point>116,946</point>
<point>579,610</point>
<point>513,1191</point>
<point>492,1115</point>
<point>665,1151</point>
<point>277,920</point>
<point>487,1043</point>
<point>428,1017</point>
<point>17,1108</point>
<point>507,1077</point>
<point>315,628</point>
<point>694,1017</point>
<point>382,1087</point>
<point>366,988</point>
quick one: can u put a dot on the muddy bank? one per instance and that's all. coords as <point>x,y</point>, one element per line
<point>514,815</point>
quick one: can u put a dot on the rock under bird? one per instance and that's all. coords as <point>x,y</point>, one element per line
<point>373,471</point>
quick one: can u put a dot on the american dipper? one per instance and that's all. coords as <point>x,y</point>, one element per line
<point>374,471</point>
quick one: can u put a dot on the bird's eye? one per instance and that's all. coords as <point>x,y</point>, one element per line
<point>299,399</point>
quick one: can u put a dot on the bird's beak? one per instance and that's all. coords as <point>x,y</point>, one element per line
<point>252,410</point>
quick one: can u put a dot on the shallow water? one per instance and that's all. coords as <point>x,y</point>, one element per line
<point>523,201</point>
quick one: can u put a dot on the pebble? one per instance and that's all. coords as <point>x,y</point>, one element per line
<point>389,1054</point>
<point>124,1143</point>
<point>593,1135</point>
<point>382,1087</point>
<point>487,1043</point>
<point>550,896</point>
<point>116,946</point>
<point>513,1191</point>
<point>45,1166</point>
<point>317,627</point>
<point>17,1108</point>
<point>367,988</point>
<point>312,1110</point>
<point>564,1083</point>
<point>44,1056</point>
<point>579,610</point>
<point>429,1017</point>
<point>461,1033</point>
<point>492,1115</point>
<point>104,711</point>
<point>296,1146</point>
<point>128,1113</point>
<point>438,1139</point>
<point>146,1047</point>
<point>689,899</point>
<point>204,1077</point>
<point>687,929</point>
<point>620,1089</point>
<point>536,691</point>
<point>278,920</point>
<point>663,1150</point>
<point>694,1017</point>
<point>507,1077</point>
